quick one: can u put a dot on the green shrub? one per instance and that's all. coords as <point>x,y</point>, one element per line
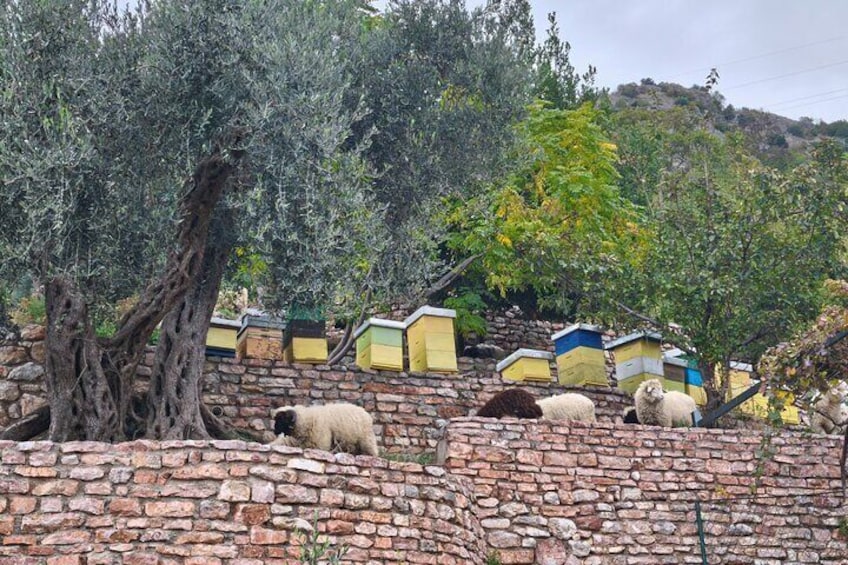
<point>30,310</point>
<point>468,305</point>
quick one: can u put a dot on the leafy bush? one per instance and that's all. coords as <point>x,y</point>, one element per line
<point>777,140</point>
<point>796,130</point>
<point>629,90</point>
<point>494,558</point>
<point>30,310</point>
<point>468,305</point>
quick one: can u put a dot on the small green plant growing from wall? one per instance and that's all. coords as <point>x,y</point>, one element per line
<point>842,528</point>
<point>494,558</point>
<point>425,458</point>
<point>315,551</point>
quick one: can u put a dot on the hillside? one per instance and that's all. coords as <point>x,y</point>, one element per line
<point>772,137</point>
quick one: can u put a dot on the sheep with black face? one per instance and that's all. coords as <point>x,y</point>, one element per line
<point>332,427</point>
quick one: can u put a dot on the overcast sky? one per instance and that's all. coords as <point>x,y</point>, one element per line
<point>789,57</point>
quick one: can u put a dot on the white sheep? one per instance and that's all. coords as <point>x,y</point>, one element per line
<point>569,407</point>
<point>342,427</point>
<point>659,408</point>
<point>830,413</point>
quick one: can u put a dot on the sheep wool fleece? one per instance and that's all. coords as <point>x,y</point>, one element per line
<point>344,427</point>
<point>569,407</point>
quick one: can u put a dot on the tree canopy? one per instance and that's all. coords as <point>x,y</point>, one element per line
<point>140,148</point>
<point>740,249</point>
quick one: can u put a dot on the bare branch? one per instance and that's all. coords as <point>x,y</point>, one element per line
<point>344,346</point>
<point>448,278</point>
<point>675,332</point>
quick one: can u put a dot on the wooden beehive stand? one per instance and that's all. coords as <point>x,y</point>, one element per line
<point>431,341</point>
<point>638,357</point>
<point>580,356</point>
<point>526,365</point>
<point>379,344</point>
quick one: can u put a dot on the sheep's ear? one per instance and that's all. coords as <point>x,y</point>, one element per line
<point>284,421</point>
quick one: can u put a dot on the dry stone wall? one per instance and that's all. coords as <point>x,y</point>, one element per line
<point>21,374</point>
<point>409,409</point>
<point>536,492</point>
<point>231,502</point>
<point>555,494</point>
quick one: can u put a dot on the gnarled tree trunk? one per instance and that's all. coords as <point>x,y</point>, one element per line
<point>83,397</point>
<point>89,380</point>
<point>174,397</point>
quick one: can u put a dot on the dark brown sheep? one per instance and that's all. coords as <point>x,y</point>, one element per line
<point>513,402</point>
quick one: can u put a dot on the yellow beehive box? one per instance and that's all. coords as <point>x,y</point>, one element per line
<point>526,365</point>
<point>638,344</point>
<point>260,338</point>
<point>379,344</point>
<point>222,337</point>
<point>638,357</point>
<point>305,342</point>
<point>431,341</point>
<point>758,406</point>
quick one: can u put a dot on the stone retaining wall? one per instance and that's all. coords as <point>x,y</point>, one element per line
<point>225,502</point>
<point>615,494</point>
<point>21,374</point>
<point>534,492</point>
<point>409,409</point>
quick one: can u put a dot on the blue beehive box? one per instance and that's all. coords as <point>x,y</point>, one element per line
<point>695,385</point>
<point>580,356</point>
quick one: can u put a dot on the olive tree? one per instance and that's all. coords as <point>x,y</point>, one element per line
<point>139,148</point>
<point>132,143</point>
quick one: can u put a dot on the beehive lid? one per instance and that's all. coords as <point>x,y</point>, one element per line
<point>224,323</point>
<point>379,323</point>
<point>573,328</point>
<point>738,366</point>
<point>677,361</point>
<point>429,311</point>
<point>261,322</point>
<point>651,336</point>
<point>524,353</point>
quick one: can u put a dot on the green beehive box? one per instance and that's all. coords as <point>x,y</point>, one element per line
<point>379,344</point>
